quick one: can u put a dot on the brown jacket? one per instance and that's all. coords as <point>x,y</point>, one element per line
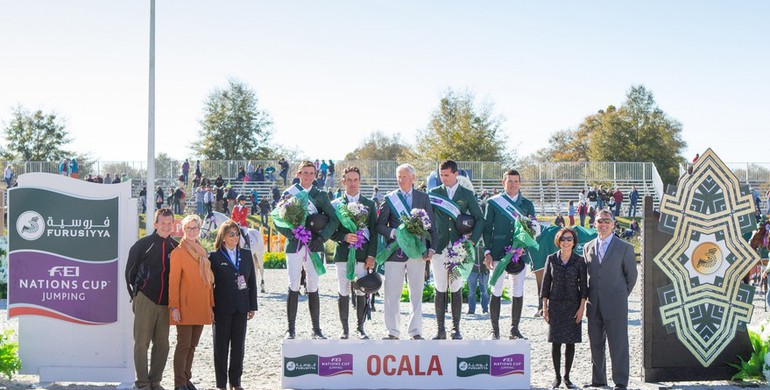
<point>187,291</point>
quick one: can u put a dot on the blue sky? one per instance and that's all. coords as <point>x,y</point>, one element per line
<point>331,72</point>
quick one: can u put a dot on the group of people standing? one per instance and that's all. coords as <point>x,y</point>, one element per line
<point>181,284</point>
<point>221,286</point>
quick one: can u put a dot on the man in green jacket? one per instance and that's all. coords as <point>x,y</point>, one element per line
<point>364,251</point>
<point>449,200</point>
<point>499,225</point>
<point>298,256</point>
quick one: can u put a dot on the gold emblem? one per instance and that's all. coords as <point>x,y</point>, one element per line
<point>706,258</point>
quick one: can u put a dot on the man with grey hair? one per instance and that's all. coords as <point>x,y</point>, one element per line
<point>400,203</point>
<point>611,278</point>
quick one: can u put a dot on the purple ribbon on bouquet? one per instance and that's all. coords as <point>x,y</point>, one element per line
<point>303,235</point>
<point>359,242</point>
<point>767,233</point>
<point>517,252</point>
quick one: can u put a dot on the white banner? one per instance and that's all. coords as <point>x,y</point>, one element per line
<point>386,364</point>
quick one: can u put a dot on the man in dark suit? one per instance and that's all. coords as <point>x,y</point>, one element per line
<point>298,256</point>
<point>449,200</point>
<point>396,204</point>
<point>499,226</point>
<point>351,180</point>
<point>611,278</point>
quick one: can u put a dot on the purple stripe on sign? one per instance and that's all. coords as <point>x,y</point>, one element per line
<point>507,365</point>
<point>335,365</point>
<point>83,291</point>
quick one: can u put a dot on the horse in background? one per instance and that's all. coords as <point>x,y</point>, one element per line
<point>251,239</point>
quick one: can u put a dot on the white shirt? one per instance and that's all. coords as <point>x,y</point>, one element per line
<point>232,254</point>
<point>353,198</point>
<point>450,191</point>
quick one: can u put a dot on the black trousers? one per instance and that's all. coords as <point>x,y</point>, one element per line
<point>229,335</point>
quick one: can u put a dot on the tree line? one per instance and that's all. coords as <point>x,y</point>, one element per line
<point>235,126</point>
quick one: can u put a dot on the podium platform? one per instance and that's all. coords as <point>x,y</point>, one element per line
<point>406,364</point>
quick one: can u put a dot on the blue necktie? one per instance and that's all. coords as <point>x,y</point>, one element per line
<point>408,199</point>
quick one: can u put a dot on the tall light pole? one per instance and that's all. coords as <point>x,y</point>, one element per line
<point>150,197</point>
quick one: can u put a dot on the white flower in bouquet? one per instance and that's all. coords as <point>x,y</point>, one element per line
<point>456,254</point>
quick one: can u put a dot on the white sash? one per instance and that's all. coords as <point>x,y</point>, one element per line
<point>506,206</point>
<point>446,205</point>
<point>397,203</point>
<point>296,189</point>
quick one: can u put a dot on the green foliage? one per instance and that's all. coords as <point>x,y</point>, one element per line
<point>752,369</point>
<point>638,130</point>
<point>379,147</point>
<point>35,136</point>
<point>9,354</point>
<point>233,127</point>
<point>461,130</point>
<point>274,260</point>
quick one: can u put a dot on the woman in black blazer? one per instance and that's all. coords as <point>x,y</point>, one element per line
<point>235,301</point>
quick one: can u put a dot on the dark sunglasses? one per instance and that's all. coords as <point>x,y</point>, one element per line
<point>566,238</point>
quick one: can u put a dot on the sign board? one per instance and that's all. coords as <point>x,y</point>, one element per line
<point>68,241</point>
<point>696,306</point>
<point>388,364</point>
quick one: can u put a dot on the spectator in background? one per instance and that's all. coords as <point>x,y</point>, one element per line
<point>479,276</point>
<point>601,198</point>
<point>99,179</point>
<point>196,182</point>
<point>767,196</point>
<point>198,168</point>
<point>559,221</point>
<point>317,165</point>
<point>264,211</point>
<point>284,169</point>
<point>324,168</point>
<point>208,200</point>
<point>618,197</point>
<point>582,196</point>
<point>179,196</point>
<point>142,198</point>
<point>116,179</point>
<point>74,169</point>
<point>571,212</point>
<point>331,169</point>
<point>582,212</point>
<point>591,216</point>
<point>232,195</point>
<point>64,168</point>
<point>593,197</point>
<point>186,171</point>
<point>633,198</point>
<point>254,199</point>
<point>158,195</point>
<point>219,181</point>
<point>219,198</point>
<point>241,174</point>
<point>259,173</point>
<point>200,200</point>
<point>8,175</point>
<point>276,195</point>
<point>270,172</point>
<point>250,171</point>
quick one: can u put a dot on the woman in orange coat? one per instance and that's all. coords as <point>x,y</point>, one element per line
<point>190,298</point>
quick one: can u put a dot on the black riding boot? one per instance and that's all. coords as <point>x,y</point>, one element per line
<point>291,313</point>
<point>457,311</point>
<point>361,317</point>
<point>342,305</point>
<point>494,315</point>
<point>314,304</point>
<point>516,305</point>
<point>440,304</point>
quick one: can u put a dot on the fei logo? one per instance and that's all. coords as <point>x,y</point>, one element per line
<point>319,365</point>
<point>30,225</point>
<point>64,271</point>
<point>490,365</point>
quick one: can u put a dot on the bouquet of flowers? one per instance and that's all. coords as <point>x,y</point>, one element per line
<point>291,213</point>
<point>417,223</point>
<point>409,236</point>
<point>457,256</point>
<point>354,216</point>
<point>525,232</point>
